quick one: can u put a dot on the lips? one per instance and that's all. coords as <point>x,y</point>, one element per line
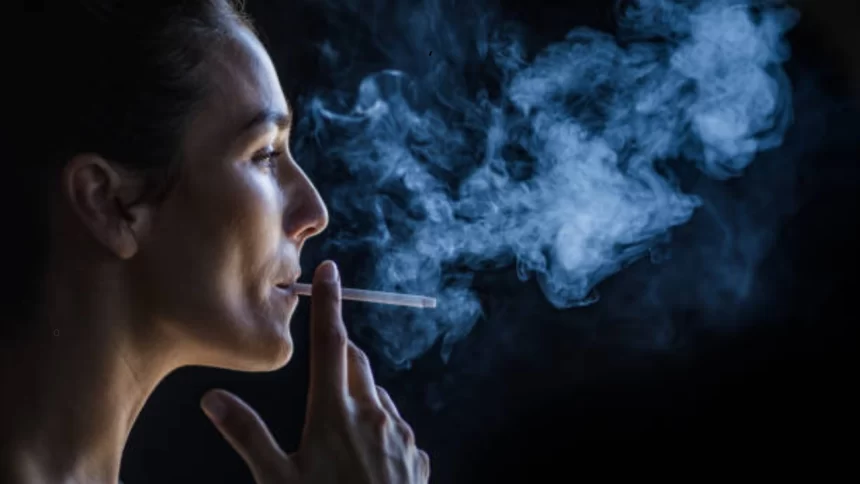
<point>287,282</point>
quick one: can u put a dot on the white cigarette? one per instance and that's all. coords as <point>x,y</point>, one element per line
<point>379,297</point>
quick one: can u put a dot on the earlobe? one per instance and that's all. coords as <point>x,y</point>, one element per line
<point>127,240</point>
<point>135,222</point>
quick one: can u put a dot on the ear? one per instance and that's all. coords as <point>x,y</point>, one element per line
<point>101,195</point>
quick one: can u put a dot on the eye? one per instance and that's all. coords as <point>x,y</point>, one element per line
<point>267,158</point>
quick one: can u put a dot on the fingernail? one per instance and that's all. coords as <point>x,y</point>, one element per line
<point>328,271</point>
<point>213,405</point>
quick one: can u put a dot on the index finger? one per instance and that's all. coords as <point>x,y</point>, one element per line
<point>328,337</point>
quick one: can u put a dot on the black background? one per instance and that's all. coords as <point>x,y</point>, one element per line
<point>525,396</point>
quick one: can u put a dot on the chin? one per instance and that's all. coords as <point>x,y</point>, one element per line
<point>258,346</point>
<point>271,348</point>
<point>268,342</point>
<point>274,358</point>
<point>270,354</point>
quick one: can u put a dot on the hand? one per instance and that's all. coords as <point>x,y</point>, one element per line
<point>353,432</point>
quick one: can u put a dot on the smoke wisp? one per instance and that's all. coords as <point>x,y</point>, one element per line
<point>558,162</point>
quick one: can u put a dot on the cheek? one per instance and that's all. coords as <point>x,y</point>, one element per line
<point>256,226</point>
<point>262,201</point>
<point>251,239</point>
<point>217,243</point>
<point>241,210</point>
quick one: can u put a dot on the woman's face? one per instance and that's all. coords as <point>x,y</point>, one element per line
<point>233,226</point>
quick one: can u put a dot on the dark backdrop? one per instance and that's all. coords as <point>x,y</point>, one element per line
<point>524,396</point>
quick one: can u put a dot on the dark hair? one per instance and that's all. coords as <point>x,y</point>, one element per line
<point>117,78</point>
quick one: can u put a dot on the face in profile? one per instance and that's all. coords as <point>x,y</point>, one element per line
<point>231,230</point>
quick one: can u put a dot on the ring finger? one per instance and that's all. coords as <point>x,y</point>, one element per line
<point>406,432</point>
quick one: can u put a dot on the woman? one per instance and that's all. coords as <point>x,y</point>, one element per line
<point>159,224</point>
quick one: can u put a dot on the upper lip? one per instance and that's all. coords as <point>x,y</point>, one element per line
<point>290,280</point>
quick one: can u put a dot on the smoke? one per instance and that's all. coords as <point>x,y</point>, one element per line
<point>480,152</point>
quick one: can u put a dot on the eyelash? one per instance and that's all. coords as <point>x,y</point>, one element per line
<point>267,158</point>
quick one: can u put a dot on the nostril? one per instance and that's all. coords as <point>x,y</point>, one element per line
<point>310,231</point>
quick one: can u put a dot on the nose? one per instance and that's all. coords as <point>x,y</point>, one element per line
<point>305,214</point>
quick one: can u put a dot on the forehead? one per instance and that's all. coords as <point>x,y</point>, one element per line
<point>242,81</point>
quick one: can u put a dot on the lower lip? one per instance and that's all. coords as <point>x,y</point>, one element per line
<point>286,291</point>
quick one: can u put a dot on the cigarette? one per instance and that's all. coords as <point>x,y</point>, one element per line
<point>378,297</point>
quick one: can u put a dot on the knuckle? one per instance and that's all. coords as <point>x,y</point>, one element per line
<point>376,417</point>
<point>341,409</point>
<point>358,357</point>
<point>337,336</point>
<point>406,433</point>
<point>424,458</point>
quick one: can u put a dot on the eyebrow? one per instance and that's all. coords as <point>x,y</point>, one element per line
<point>283,120</point>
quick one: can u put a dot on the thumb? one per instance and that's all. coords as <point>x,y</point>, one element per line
<point>245,431</point>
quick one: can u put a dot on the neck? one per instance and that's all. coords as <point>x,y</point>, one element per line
<point>77,385</point>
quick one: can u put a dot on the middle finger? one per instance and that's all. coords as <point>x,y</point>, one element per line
<point>387,402</point>
<point>362,387</point>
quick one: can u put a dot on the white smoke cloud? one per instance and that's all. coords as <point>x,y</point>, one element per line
<point>562,170</point>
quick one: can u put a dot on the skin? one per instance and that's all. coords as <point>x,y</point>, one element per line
<point>137,290</point>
